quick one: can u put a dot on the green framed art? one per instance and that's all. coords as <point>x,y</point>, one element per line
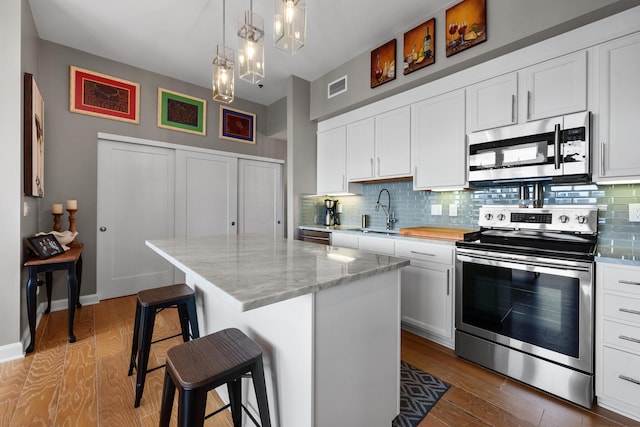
<point>184,113</point>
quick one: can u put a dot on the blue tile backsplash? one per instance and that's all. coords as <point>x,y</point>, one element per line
<point>617,237</point>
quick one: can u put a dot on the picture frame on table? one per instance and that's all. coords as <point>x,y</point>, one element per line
<point>44,246</point>
<point>465,25</point>
<point>99,95</point>
<point>180,112</point>
<point>419,46</point>
<point>237,125</point>
<point>383,64</point>
<point>33,138</point>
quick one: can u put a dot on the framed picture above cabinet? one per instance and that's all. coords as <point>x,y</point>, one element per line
<point>383,64</point>
<point>465,25</point>
<point>419,47</point>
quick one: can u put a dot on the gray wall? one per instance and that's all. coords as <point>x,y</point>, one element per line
<point>277,119</point>
<point>71,139</point>
<point>511,25</point>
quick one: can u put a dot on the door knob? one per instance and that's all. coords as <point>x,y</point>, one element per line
<point>278,221</point>
<point>103,229</point>
<point>233,223</point>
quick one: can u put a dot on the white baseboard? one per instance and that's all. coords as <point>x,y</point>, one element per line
<point>16,350</point>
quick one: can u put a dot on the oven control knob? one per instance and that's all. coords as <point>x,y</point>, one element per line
<point>582,219</point>
<point>488,216</point>
<point>564,219</point>
<point>501,217</point>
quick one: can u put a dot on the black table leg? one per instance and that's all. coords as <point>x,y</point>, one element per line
<point>32,286</point>
<point>79,276</point>
<point>72,297</point>
<point>49,284</point>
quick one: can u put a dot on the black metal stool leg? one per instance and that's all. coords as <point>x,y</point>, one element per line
<point>257,374</point>
<point>191,408</point>
<point>134,341</point>
<point>148,318</point>
<point>193,317</point>
<point>234,388</point>
<point>184,321</point>
<point>168,394</point>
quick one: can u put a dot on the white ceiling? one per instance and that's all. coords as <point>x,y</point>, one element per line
<point>178,38</point>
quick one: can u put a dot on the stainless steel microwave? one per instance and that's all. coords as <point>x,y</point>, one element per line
<point>556,149</point>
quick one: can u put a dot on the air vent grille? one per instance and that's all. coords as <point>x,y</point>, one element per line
<point>337,87</point>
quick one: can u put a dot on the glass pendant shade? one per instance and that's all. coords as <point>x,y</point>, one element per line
<point>290,25</point>
<point>251,47</point>
<point>223,75</point>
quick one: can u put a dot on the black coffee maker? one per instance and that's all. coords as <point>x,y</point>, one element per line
<point>331,216</point>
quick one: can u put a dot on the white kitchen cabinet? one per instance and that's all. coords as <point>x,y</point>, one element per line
<point>438,142</point>
<point>344,240</point>
<point>492,103</point>
<point>615,145</point>
<point>556,87</point>
<point>618,338</point>
<point>378,245</point>
<point>331,174</point>
<point>380,147</point>
<point>427,290</point>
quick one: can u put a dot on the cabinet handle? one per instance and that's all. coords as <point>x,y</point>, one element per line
<point>628,282</point>
<point>513,108</point>
<point>556,145</point>
<point>415,175</point>
<point>372,170</point>
<point>344,182</point>
<point>635,340</point>
<point>602,159</point>
<point>422,253</point>
<point>378,166</point>
<point>631,380</point>
<point>528,104</point>
<point>628,310</point>
<point>447,282</point>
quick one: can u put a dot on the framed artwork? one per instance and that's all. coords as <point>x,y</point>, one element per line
<point>181,112</point>
<point>99,95</point>
<point>33,138</point>
<point>419,47</point>
<point>237,125</point>
<point>466,25</point>
<point>44,246</point>
<point>383,64</point>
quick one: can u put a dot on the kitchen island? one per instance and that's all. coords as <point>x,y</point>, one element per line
<point>327,319</point>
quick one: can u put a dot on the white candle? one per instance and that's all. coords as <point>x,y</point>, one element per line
<point>57,208</point>
<point>72,204</point>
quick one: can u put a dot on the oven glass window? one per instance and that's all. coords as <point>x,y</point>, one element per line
<point>537,308</point>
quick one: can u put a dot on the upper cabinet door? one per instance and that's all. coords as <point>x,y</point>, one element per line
<point>492,103</point>
<point>360,150</point>
<point>331,161</point>
<point>438,142</point>
<point>393,143</point>
<point>616,143</point>
<point>556,87</point>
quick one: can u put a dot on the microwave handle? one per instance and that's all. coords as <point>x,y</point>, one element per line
<point>556,145</point>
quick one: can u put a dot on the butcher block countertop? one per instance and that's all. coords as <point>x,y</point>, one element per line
<point>436,233</point>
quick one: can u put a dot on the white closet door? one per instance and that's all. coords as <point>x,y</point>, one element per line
<point>135,203</point>
<point>260,198</point>
<point>206,194</point>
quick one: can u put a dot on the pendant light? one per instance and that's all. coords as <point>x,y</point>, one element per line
<point>223,69</point>
<point>251,46</point>
<point>290,25</point>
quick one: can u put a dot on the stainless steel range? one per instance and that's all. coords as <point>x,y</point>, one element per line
<point>524,296</point>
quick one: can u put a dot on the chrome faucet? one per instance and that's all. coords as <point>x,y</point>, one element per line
<point>386,208</point>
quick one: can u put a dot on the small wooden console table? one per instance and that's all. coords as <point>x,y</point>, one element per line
<point>71,261</point>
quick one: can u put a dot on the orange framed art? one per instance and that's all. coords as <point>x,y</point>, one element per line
<point>466,25</point>
<point>99,95</point>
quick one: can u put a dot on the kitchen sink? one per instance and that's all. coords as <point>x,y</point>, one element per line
<point>378,231</point>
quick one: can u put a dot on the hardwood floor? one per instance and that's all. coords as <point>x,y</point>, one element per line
<point>86,384</point>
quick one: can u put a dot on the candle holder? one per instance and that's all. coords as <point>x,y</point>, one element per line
<point>56,222</point>
<point>72,221</point>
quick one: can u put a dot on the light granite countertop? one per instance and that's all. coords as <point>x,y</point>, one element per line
<point>251,271</point>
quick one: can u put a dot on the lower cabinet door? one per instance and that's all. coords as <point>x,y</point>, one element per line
<point>427,299</point>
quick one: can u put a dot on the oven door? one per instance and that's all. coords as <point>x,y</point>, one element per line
<point>539,306</point>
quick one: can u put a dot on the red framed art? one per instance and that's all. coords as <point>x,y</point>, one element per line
<point>237,125</point>
<point>99,95</point>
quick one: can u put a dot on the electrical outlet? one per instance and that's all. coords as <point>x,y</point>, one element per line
<point>436,209</point>
<point>634,212</point>
<point>453,210</point>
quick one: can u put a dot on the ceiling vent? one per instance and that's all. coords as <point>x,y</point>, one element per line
<point>337,87</point>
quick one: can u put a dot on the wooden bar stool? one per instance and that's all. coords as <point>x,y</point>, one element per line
<point>203,364</point>
<point>149,303</point>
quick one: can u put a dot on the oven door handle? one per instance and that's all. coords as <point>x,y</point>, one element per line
<point>488,259</point>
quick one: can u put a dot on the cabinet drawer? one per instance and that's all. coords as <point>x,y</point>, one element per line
<point>621,335</point>
<point>621,279</point>
<point>344,240</point>
<point>426,252</point>
<point>621,376</point>
<point>622,308</point>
